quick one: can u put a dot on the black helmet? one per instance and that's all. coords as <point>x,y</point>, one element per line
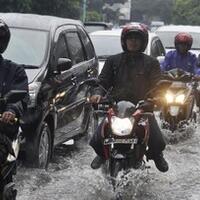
<point>138,29</point>
<point>4,36</point>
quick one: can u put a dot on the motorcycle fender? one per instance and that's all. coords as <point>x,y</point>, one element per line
<point>174,110</point>
<point>119,156</point>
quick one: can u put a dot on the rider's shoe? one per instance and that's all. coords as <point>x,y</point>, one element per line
<point>97,162</point>
<point>161,163</point>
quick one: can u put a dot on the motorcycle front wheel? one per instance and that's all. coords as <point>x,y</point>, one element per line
<point>115,166</point>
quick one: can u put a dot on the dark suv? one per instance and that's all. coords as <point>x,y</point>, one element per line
<point>58,56</point>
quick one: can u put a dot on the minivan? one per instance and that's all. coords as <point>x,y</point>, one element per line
<point>58,56</point>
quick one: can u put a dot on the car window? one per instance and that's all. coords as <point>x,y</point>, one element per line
<point>106,45</point>
<point>155,52</point>
<point>161,48</point>
<point>87,44</point>
<point>27,46</point>
<point>61,49</point>
<point>75,47</point>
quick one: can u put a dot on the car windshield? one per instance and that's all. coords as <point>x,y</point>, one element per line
<point>106,45</point>
<point>167,39</point>
<point>27,46</point>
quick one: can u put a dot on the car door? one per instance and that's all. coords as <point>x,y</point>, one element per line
<point>71,100</point>
<point>65,87</point>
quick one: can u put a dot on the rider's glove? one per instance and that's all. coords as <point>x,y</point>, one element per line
<point>8,117</point>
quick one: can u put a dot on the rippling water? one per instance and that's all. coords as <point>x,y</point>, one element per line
<point>70,177</point>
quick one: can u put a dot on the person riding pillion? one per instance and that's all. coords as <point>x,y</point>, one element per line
<point>131,74</point>
<point>12,77</point>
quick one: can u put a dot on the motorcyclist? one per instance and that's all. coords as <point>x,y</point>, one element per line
<point>181,57</point>
<point>131,74</point>
<point>12,77</point>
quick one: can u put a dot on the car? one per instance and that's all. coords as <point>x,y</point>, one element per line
<point>58,56</point>
<point>156,24</point>
<point>91,26</point>
<point>107,43</point>
<point>167,34</point>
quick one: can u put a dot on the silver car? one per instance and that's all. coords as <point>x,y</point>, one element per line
<point>107,43</point>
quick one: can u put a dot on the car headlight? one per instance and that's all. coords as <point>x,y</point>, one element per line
<point>180,98</point>
<point>169,97</point>
<point>122,126</point>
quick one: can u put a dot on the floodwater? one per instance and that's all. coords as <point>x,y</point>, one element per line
<point>69,176</point>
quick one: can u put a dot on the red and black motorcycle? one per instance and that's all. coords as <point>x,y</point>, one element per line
<point>125,133</point>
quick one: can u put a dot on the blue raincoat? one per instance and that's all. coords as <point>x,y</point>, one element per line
<point>188,63</point>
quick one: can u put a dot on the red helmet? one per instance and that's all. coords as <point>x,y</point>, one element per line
<point>138,29</point>
<point>4,36</point>
<point>183,38</point>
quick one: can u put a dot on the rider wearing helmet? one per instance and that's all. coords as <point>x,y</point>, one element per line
<point>12,77</point>
<point>131,74</point>
<point>181,57</point>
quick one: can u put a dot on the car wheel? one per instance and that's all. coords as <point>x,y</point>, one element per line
<point>39,152</point>
<point>44,146</point>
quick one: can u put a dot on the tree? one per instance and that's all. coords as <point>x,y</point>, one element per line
<point>15,5</point>
<point>62,8</point>
<point>151,10</point>
<point>186,12</point>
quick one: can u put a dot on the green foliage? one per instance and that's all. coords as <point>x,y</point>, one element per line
<point>62,8</point>
<point>15,5</point>
<point>93,16</point>
<point>186,12</point>
<point>151,10</point>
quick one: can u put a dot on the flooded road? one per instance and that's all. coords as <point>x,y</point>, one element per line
<point>70,177</point>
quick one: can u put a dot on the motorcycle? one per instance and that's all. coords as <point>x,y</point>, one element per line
<point>125,132</point>
<point>10,150</point>
<point>177,106</point>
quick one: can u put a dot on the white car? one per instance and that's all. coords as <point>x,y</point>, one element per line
<point>168,33</point>
<point>107,43</point>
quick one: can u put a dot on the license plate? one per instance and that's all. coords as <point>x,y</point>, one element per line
<point>108,141</point>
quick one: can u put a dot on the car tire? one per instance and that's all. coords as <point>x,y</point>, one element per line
<point>40,153</point>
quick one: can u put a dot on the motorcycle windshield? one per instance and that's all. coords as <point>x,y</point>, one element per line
<point>124,109</point>
<point>179,75</point>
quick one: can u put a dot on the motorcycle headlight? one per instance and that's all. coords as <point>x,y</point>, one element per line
<point>180,98</point>
<point>121,126</point>
<point>169,97</point>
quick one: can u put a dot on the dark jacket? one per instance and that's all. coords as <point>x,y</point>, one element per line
<point>13,77</point>
<point>130,76</point>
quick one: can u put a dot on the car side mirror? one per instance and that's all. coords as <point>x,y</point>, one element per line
<point>64,64</point>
